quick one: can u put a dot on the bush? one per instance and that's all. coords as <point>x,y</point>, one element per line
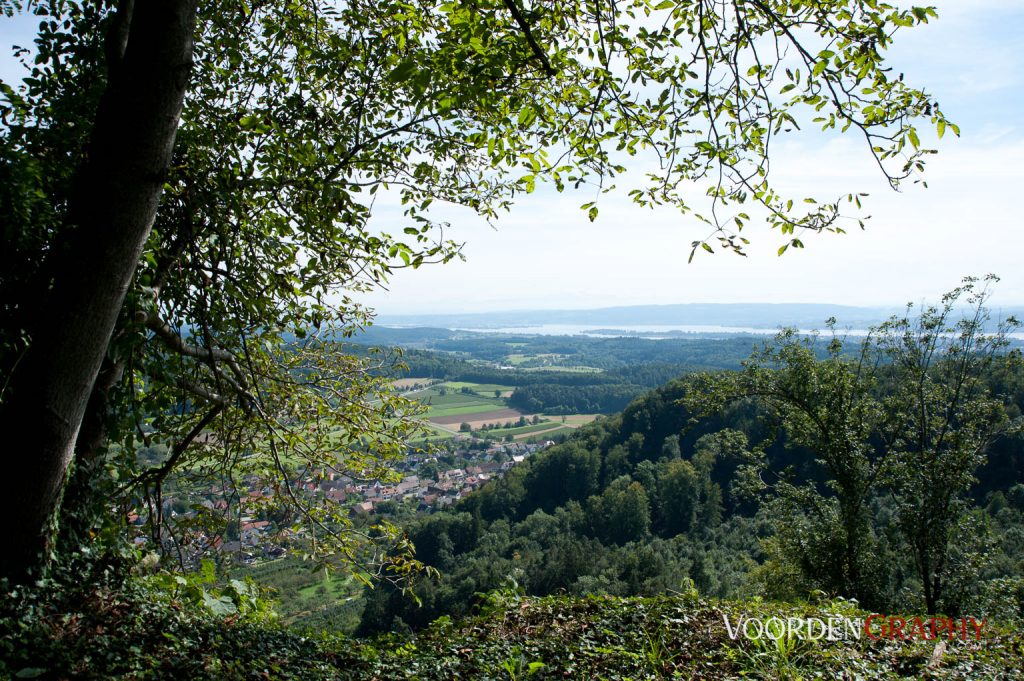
<point>110,616</point>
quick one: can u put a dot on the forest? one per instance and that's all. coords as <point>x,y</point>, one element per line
<point>672,494</point>
<point>557,374</point>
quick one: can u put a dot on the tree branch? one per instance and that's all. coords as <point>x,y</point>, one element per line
<point>158,474</point>
<point>538,51</point>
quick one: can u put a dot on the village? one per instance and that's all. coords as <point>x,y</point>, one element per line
<point>432,492</point>
<point>252,535</point>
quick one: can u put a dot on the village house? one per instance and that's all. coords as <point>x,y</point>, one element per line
<point>363,508</point>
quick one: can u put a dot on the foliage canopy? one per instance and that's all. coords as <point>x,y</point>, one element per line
<point>299,115</point>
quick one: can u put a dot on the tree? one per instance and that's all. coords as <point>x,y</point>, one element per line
<point>109,208</point>
<point>213,313</point>
<point>569,473</point>
<point>465,427</point>
<point>828,407</point>
<point>942,416</point>
<point>687,498</point>
<point>908,414</point>
<point>620,514</point>
<point>678,497</point>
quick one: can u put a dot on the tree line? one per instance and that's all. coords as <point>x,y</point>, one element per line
<point>795,475</point>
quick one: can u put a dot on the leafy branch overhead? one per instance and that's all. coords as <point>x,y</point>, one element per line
<point>699,90</point>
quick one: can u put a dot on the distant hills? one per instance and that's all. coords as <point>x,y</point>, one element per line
<point>751,315</point>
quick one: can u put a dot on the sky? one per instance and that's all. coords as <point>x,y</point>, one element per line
<point>545,254</point>
<point>918,243</point>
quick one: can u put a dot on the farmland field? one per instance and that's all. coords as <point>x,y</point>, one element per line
<point>408,383</point>
<point>545,435</point>
<point>435,398</point>
<point>566,369</point>
<point>479,416</point>
<point>517,359</point>
<point>479,410</point>
<point>551,430</point>
<point>435,432</point>
<point>574,420</point>
<point>519,430</point>
<point>484,389</point>
<point>550,426</point>
<point>476,422</point>
<point>448,405</point>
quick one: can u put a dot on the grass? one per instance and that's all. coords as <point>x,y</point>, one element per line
<point>454,402</point>
<point>406,383</point>
<point>434,437</point>
<point>432,397</point>
<point>547,434</point>
<point>568,370</point>
<point>517,359</point>
<point>330,586</point>
<point>463,410</point>
<point>482,389</point>
<point>571,419</point>
<point>304,595</point>
<point>518,430</point>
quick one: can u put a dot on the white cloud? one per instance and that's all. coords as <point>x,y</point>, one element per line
<point>918,243</point>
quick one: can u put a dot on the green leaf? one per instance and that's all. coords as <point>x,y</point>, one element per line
<point>402,71</point>
<point>219,606</point>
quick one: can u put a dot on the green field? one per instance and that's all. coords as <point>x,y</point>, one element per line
<point>571,370</point>
<point>467,410</point>
<point>306,595</point>
<point>457,403</point>
<point>547,362</point>
<point>435,434</point>
<point>482,389</point>
<point>518,430</point>
<point>571,419</point>
<point>540,437</point>
<point>516,360</point>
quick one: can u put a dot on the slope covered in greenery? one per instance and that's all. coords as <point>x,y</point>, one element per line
<point>643,502</point>
<point>112,628</point>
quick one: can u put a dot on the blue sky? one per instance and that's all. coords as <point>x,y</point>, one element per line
<point>919,243</point>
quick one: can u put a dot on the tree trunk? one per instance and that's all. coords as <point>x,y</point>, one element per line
<point>109,219</point>
<point>930,597</point>
<point>82,507</point>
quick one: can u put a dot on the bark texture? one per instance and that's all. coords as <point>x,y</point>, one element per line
<point>109,219</point>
